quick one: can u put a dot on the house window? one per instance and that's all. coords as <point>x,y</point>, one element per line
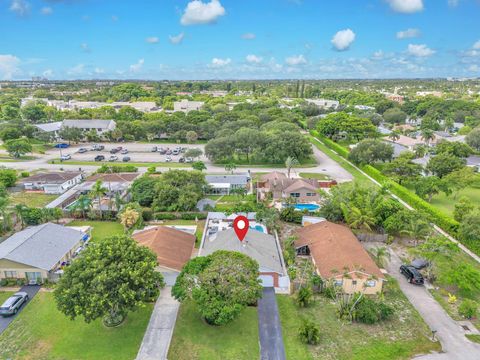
<point>295,195</point>
<point>310,194</point>
<point>354,282</point>
<point>338,282</point>
<point>371,283</point>
<point>10,274</point>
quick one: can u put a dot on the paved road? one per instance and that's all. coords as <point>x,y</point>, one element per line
<point>270,329</point>
<point>158,335</point>
<point>325,165</point>
<point>452,336</point>
<point>31,291</point>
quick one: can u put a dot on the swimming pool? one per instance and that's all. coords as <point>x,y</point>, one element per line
<point>309,207</point>
<point>258,228</point>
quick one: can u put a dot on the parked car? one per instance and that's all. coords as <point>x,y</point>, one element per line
<point>154,149</point>
<point>162,151</point>
<point>181,160</point>
<point>183,149</point>
<point>124,151</point>
<point>419,263</point>
<point>413,275</point>
<point>114,151</point>
<point>97,147</point>
<point>65,157</point>
<point>113,158</point>
<point>13,303</point>
<point>168,152</point>
<point>168,159</point>
<point>126,159</point>
<point>175,152</point>
<point>82,150</point>
<point>62,146</point>
<point>189,160</point>
<point>99,158</point>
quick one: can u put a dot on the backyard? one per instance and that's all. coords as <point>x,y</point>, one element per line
<point>400,338</point>
<point>194,339</point>
<point>447,203</point>
<point>32,199</point>
<point>41,332</point>
<point>101,229</point>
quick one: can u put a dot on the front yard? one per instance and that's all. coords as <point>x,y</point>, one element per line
<point>194,339</point>
<point>400,338</point>
<point>32,199</point>
<point>41,332</point>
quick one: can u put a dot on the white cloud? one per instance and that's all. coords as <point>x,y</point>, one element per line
<point>20,7</point>
<point>343,39</point>
<point>453,3</point>
<point>9,66</point>
<point>217,62</point>
<point>253,59</point>
<point>76,70</point>
<point>406,6</point>
<point>408,34</point>
<point>476,46</point>
<point>85,47</point>
<point>176,39</point>
<point>46,10</point>
<point>420,50</point>
<point>474,68</point>
<point>152,40</point>
<point>98,70</point>
<point>249,36</point>
<point>378,55</point>
<point>296,60</point>
<point>135,68</point>
<point>198,12</point>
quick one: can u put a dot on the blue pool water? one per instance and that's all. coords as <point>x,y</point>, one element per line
<point>309,207</point>
<point>257,227</point>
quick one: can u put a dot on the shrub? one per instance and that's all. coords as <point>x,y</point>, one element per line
<point>309,333</point>
<point>24,174</point>
<point>367,312</point>
<point>468,309</point>
<point>165,216</point>
<point>193,216</point>
<point>147,214</point>
<point>304,296</point>
<point>452,299</point>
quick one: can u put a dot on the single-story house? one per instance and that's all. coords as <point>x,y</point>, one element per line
<point>53,182</point>
<point>100,126</point>
<point>280,187</point>
<point>52,128</point>
<point>324,103</point>
<point>39,252</point>
<point>339,257</point>
<point>257,244</point>
<point>224,184</point>
<point>172,246</point>
<point>187,105</point>
<point>474,162</point>
<point>406,141</point>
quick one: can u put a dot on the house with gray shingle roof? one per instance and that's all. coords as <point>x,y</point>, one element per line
<point>39,252</point>
<point>224,184</point>
<point>100,126</point>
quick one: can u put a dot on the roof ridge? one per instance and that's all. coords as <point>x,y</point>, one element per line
<point>39,228</point>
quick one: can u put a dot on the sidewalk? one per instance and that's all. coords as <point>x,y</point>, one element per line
<point>158,335</point>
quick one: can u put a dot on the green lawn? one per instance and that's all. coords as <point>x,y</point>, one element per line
<point>400,338</point>
<point>137,164</point>
<point>11,159</point>
<point>32,199</point>
<point>316,176</point>
<point>447,204</point>
<point>193,339</point>
<point>101,229</point>
<point>4,295</point>
<point>41,332</point>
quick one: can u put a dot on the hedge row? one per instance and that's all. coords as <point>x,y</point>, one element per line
<point>444,221</point>
<point>332,144</point>
<point>180,216</point>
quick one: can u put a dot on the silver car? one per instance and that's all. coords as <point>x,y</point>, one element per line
<point>13,303</point>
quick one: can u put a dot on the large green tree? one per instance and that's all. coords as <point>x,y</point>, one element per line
<point>112,277</point>
<point>370,151</point>
<point>443,164</point>
<point>18,147</point>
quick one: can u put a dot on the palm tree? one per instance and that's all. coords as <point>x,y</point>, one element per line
<point>359,218</point>
<point>230,167</point>
<point>418,229</point>
<point>4,201</point>
<point>83,204</point>
<point>394,135</point>
<point>97,192</point>
<point>380,255</point>
<point>118,201</point>
<point>19,208</point>
<point>427,136</point>
<point>290,162</point>
<point>129,217</point>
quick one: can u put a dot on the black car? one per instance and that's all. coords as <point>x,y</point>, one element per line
<point>413,275</point>
<point>99,158</point>
<point>114,151</point>
<point>126,159</point>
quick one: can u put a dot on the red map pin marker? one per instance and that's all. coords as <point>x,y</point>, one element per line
<point>240,225</point>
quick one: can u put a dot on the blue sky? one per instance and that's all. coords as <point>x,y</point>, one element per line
<point>238,39</point>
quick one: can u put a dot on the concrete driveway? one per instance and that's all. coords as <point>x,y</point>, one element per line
<point>270,329</point>
<point>451,335</point>
<point>31,290</point>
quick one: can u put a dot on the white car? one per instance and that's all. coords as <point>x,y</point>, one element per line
<point>113,158</point>
<point>168,159</point>
<point>124,151</point>
<point>65,157</point>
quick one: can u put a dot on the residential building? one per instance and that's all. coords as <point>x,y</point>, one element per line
<point>53,182</point>
<point>324,103</point>
<point>40,252</point>
<point>257,244</point>
<point>52,128</point>
<point>187,105</point>
<point>339,257</point>
<point>100,126</point>
<point>407,142</point>
<point>280,187</point>
<point>224,184</point>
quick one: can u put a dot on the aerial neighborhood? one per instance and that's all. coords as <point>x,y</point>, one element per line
<point>207,180</point>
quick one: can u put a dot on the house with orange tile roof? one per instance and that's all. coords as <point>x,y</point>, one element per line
<point>280,187</point>
<point>339,257</point>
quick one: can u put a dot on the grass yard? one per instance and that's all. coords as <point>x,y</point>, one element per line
<point>137,164</point>
<point>4,295</point>
<point>32,199</point>
<point>21,158</point>
<point>400,338</point>
<point>101,229</point>
<point>41,332</point>
<point>447,204</point>
<point>315,176</point>
<point>193,339</point>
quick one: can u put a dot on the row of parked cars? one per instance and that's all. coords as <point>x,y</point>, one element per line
<point>111,158</point>
<point>167,151</point>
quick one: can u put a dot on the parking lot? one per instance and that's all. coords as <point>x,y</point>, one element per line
<point>137,152</point>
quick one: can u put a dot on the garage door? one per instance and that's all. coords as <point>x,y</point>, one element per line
<point>267,280</point>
